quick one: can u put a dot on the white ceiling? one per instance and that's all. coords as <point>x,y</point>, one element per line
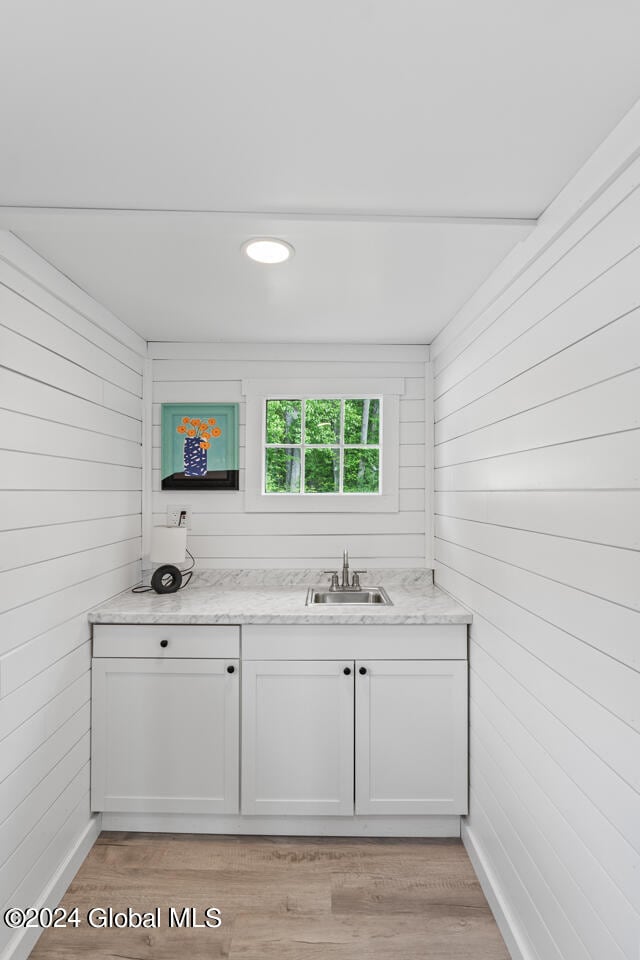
<point>183,276</point>
<point>282,111</point>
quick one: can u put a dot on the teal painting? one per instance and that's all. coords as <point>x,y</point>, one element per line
<point>200,446</point>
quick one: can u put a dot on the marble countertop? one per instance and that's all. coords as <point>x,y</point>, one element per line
<point>278,596</point>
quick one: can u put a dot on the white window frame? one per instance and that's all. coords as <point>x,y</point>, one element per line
<point>257,392</point>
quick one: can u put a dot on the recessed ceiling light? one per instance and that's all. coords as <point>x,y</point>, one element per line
<point>268,250</point>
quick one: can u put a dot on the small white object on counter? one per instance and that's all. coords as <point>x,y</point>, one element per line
<point>168,544</point>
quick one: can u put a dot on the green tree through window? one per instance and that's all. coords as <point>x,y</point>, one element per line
<point>320,445</point>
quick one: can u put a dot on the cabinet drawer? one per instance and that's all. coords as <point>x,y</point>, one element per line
<point>354,641</point>
<point>165,640</point>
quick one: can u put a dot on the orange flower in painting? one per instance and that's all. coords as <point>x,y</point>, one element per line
<point>203,430</point>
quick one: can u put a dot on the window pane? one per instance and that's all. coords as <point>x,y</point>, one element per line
<point>361,421</point>
<point>322,421</point>
<point>361,471</point>
<point>282,474</point>
<point>321,470</point>
<point>283,421</point>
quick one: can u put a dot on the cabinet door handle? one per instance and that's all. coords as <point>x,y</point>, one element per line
<point>164,643</point>
<point>347,671</point>
<point>231,668</point>
<point>362,671</point>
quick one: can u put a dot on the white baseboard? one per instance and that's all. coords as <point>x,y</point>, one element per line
<point>491,889</point>
<point>20,946</point>
<point>444,826</point>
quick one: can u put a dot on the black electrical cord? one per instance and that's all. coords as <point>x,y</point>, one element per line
<point>188,575</point>
<point>189,571</point>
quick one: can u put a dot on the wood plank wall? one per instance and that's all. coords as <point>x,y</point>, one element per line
<point>537,521</point>
<point>70,537</point>
<point>223,535</point>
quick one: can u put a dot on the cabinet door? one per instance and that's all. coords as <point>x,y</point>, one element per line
<point>165,735</point>
<point>297,737</point>
<point>411,737</point>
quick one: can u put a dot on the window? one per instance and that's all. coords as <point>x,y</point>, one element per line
<point>322,444</point>
<point>317,445</point>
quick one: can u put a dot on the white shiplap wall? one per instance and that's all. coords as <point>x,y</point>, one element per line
<point>70,537</point>
<point>537,522</point>
<point>222,534</point>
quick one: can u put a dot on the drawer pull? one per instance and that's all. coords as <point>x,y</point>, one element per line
<point>231,669</point>
<point>347,671</point>
<point>164,643</point>
<point>362,671</point>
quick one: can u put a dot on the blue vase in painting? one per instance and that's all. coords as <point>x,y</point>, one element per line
<point>195,458</point>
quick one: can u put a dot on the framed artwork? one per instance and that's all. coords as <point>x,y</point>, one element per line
<point>200,446</point>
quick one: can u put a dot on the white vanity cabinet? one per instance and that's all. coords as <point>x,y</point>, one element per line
<point>384,734</point>
<point>165,719</point>
<point>350,729</point>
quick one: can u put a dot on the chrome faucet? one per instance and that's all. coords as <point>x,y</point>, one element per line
<point>344,584</point>
<point>345,570</point>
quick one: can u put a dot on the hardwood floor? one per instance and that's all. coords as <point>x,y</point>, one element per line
<point>284,898</point>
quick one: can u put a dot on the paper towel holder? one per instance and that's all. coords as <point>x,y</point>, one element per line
<point>168,548</point>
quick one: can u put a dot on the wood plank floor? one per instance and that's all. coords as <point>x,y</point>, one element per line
<point>284,898</point>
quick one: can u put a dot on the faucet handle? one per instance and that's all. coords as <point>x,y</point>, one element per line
<point>355,583</point>
<point>334,578</point>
